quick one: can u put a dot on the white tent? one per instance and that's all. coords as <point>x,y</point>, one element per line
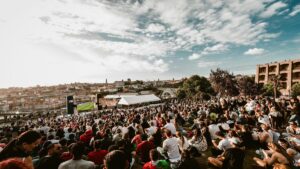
<point>119,96</point>
<point>131,100</point>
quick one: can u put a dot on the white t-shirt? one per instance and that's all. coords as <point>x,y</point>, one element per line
<point>170,145</point>
<point>213,128</point>
<point>171,127</point>
<point>183,146</point>
<point>77,164</point>
<point>224,144</point>
<point>151,130</point>
<point>264,120</point>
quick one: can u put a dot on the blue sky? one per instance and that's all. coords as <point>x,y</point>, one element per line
<point>50,42</point>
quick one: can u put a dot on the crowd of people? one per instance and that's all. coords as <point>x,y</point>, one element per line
<point>180,134</point>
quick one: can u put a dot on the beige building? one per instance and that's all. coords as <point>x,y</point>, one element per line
<point>289,72</point>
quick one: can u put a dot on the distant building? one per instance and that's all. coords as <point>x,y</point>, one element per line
<point>288,70</point>
<point>168,93</point>
<point>119,84</point>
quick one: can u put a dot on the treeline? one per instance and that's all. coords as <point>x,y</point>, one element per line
<point>223,83</point>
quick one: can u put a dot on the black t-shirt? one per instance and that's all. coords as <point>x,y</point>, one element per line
<point>48,162</point>
<point>190,163</point>
<point>234,159</point>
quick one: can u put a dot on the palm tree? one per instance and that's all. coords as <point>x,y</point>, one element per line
<point>276,82</point>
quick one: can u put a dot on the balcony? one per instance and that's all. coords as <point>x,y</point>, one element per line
<point>272,69</point>
<point>283,85</point>
<point>284,67</point>
<point>262,70</point>
<point>296,66</point>
<point>261,78</point>
<point>296,76</point>
<point>283,76</point>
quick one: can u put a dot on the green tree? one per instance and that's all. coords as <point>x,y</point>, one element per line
<point>296,90</point>
<point>268,90</point>
<point>275,80</point>
<point>223,82</point>
<point>181,94</point>
<point>196,87</point>
<point>247,86</point>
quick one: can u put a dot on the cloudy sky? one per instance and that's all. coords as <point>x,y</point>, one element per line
<point>50,42</point>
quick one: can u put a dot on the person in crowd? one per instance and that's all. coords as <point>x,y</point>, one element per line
<point>232,158</point>
<point>190,159</point>
<point>221,120</point>
<point>52,159</point>
<point>116,160</point>
<point>198,141</point>
<point>21,147</point>
<point>155,161</point>
<point>63,142</point>
<point>294,107</point>
<point>86,137</point>
<point>170,126</point>
<point>170,146</point>
<point>77,162</point>
<point>222,145</point>
<point>292,129</point>
<point>152,129</point>
<point>276,154</point>
<point>284,143</point>
<point>144,148</point>
<point>295,156</point>
<point>13,163</point>
<point>182,141</point>
<point>118,136</point>
<point>97,155</point>
<point>265,136</point>
<point>137,139</point>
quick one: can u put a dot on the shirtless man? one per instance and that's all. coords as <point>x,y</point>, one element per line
<point>277,156</point>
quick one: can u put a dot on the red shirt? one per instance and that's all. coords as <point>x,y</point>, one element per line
<point>97,156</point>
<point>137,139</point>
<point>65,156</point>
<point>149,165</point>
<point>143,150</point>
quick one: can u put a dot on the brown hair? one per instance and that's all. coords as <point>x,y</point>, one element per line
<point>13,163</point>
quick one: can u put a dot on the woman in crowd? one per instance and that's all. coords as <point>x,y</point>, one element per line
<point>198,141</point>
<point>182,141</point>
<point>21,147</point>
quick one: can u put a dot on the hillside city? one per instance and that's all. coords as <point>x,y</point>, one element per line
<point>47,98</point>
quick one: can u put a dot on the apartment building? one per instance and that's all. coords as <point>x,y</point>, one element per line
<point>288,70</point>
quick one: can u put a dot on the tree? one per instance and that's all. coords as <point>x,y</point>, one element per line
<point>296,90</point>
<point>247,86</point>
<point>181,94</point>
<point>223,82</point>
<point>268,90</point>
<point>275,80</point>
<point>196,87</point>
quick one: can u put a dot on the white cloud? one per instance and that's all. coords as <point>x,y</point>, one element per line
<point>117,38</point>
<point>273,9</point>
<point>155,28</point>
<point>255,51</point>
<point>295,11</point>
<point>205,64</point>
<point>214,49</point>
<point>194,56</point>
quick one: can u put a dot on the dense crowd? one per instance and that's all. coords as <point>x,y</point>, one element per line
<point>183,134</point>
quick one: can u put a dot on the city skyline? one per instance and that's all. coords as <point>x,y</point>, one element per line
<point>53,42</point>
